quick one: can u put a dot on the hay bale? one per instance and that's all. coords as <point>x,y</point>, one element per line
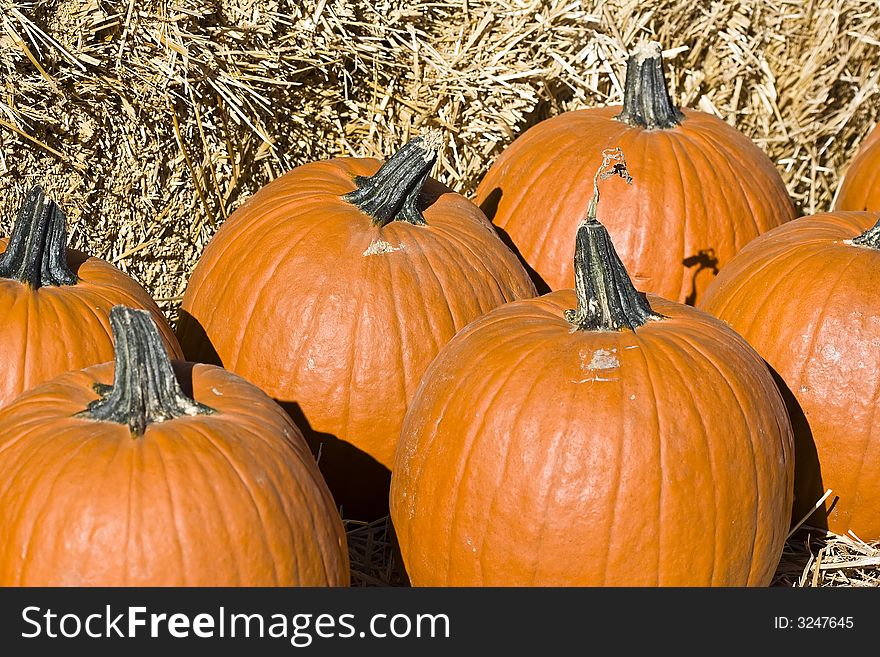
<point>150,122</point>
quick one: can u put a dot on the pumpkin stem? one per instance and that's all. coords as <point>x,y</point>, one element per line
<point>144,388</point>
<point>607,299</point>
<point>37,251</point>
<point>392,193</point>
<point>870,238</point>
<point>646,101</point>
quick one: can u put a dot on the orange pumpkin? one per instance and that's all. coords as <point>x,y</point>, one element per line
<point>805,297</point>
<point>140,484</point>
<point>555,440</point>
<point>333,288</point>
<point>860,189</point>
<point>702,189</point>
<point>55,301</point>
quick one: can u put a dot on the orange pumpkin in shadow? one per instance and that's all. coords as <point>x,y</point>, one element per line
<point>333,288</point>
<point>805,297</point>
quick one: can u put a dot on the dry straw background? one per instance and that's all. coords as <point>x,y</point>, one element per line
<point>151,121</point>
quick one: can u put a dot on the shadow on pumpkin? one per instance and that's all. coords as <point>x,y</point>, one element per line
<point>194,340</point>
<point>703,260</point>
<point>359,483</point>
<point>808,486</point>
<point>183,372</point>
<point>75,259</point>
<point>489,206</point>
<point>431,191</point>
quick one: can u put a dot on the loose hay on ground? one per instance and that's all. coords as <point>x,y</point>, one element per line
<point>811,557</point>
<point>374,560</point>
<point>814,557</point>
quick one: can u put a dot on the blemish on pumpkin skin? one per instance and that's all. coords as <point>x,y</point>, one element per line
<point>601,361</point>
<point>378,247</point>
<point>216,392</point>
<point>831,354</point>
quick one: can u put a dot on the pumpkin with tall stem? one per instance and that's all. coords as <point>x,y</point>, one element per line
<point>594,436</point>
<point>55,301</point>
<point>142,472</point>
<point>703,189</point>
<point>334,287</point>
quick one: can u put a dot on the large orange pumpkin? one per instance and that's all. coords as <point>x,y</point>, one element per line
<point>805,296</point>
<point>55,301</point>
<point>702,189</point>
<point>333,288</point>
<point>594,437</point>
<point>860,189</point>
<point>140,484</point>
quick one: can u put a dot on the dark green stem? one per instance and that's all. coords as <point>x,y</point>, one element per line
<point>37,250</point>
<point>607,299</point>
<point>646,101</point>
<point>392,193</point>
<point>145,389</point>
<point>870,238</point>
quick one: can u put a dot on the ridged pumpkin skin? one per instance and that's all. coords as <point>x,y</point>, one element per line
<point>535,455</point>
<point>337,318</point>
<point>860,189</point>
<point>231,499</point>
<point>701,191</point>
<point>46,328</point>
<point>808,303</point>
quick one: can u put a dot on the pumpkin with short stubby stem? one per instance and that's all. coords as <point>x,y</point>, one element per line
<point>55,302</point>
<point>805,297</point>
<point>333,288</point>
<point>702,190</point>
<point>556,440</point>
<point>116,476</point>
